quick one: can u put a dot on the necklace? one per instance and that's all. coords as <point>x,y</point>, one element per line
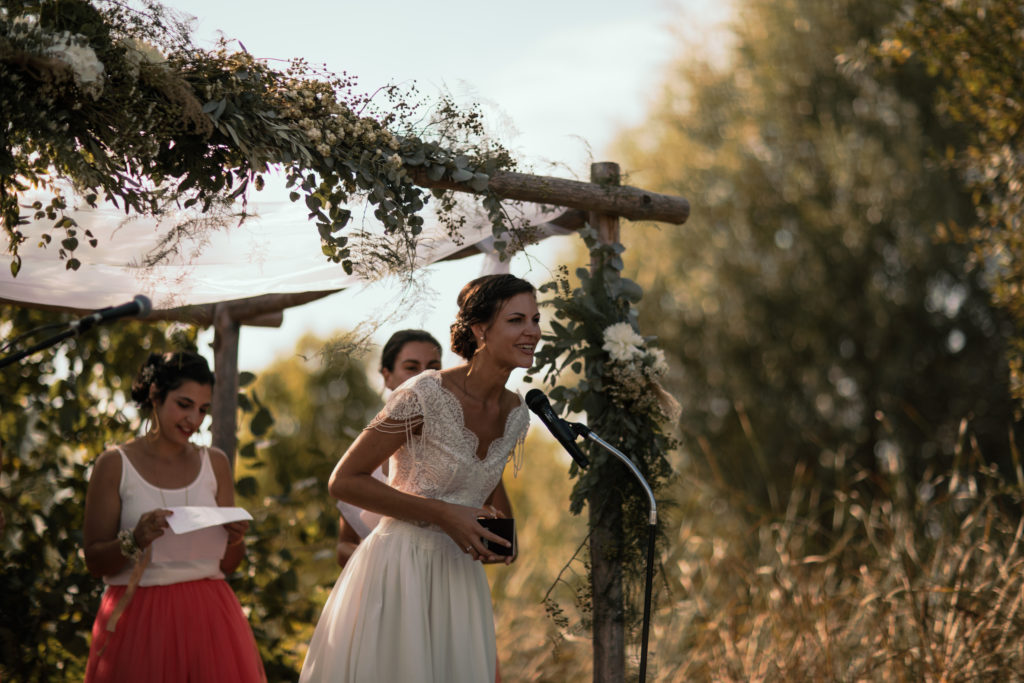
<point>164,501</point>
<point>161,491</point>
<point>465,392</point>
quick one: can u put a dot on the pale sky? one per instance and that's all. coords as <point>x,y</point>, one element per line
<point>556,81</point>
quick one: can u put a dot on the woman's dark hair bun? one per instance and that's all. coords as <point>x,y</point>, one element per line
<point>165,372</point>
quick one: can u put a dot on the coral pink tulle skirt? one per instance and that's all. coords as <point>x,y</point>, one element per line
<point>193,631</point>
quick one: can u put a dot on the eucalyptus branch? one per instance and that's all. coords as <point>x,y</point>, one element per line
<point>78,86</point>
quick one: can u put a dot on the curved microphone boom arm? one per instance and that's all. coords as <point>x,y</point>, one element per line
<point>586,432</point>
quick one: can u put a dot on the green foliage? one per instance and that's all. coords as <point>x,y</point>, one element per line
<point>813,315</point>
<point>974,52</point>
<point>58,409</point>
<point>319,405</point>
<point>304,410</point>
<point>593,335</point>
<point>117,101</point>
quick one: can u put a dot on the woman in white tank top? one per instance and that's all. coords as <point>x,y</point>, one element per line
<point>167,614</point>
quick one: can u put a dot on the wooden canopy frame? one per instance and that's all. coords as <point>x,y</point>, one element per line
<point>601,203</point>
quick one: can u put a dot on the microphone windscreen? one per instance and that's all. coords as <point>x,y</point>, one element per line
<point>145,305</point>
<point>535,399</point>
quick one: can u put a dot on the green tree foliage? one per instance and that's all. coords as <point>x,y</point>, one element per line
<point>813,315</point>
<point>59,409</point>
<point>303,412</point>
<point>63,406</point>
<point>319,404</point>
<point>113,98</point>
<point>974,49</point>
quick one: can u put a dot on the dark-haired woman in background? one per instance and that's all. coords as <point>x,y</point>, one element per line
<point>406,354</point>
<point>413,604</point>
<point>173,617</point>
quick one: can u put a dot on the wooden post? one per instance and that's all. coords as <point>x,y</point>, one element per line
<point>606,509</point>
<point>225,390</point>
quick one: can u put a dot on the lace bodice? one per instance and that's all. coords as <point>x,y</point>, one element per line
<point>441,461</point>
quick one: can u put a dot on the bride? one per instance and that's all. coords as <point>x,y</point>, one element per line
<point>413,604</point>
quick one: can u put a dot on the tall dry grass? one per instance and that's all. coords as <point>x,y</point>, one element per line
<point>879,580</point>
<point>534,645</point>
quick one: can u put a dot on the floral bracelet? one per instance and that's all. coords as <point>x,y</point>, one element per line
<point>129,548</point>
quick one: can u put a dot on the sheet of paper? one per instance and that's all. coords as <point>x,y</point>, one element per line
<point>196,533</point>
<point>194,517</point>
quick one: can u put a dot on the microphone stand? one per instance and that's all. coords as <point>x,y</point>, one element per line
<point>652,524</point>
<point>15,357</point>
<point>74,328</point>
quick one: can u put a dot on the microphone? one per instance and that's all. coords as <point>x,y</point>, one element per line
<point>139,307</point>
<point>538,403</point>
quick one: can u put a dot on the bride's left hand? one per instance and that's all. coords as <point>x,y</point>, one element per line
<point>460,523</point>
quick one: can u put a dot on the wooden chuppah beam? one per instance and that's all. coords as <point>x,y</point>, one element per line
<point>618,200</point>
<point>261,310</point>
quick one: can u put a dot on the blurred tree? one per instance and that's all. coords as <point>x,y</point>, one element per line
<point>813,315</point>
<point>303,411</point>
<point>62,406</point>
<point>319,401</point>
<point>975,51</point>
<point>59,408</point>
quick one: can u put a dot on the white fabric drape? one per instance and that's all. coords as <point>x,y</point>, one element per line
<point>276,252</point>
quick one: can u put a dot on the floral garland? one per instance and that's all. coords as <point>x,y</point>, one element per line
<point>633,373</point>
<point>593,335</point>
<point>119,102</point>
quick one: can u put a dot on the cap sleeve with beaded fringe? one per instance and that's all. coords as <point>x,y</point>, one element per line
<point>439,456</point>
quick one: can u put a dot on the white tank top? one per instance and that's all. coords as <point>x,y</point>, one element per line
<point>138,496</point>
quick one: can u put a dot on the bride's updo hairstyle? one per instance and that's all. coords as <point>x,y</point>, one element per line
<point>479,302</point>
<point>166,372</point>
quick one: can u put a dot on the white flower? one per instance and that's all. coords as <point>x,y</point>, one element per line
<point>138,52</point>
<point>148,52</point>
<point>659,364</point>
<point>83,62</point>
<point>622,342</point>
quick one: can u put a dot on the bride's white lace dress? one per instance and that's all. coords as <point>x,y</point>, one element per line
<point>410,605</point>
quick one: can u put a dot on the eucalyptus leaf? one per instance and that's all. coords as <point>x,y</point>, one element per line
<point>479,181</point>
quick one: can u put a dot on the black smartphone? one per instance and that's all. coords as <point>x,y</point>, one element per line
<point>504,527</point>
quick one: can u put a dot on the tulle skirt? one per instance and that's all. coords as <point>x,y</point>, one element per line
<point>409,607</point>
<point>193,631</point>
